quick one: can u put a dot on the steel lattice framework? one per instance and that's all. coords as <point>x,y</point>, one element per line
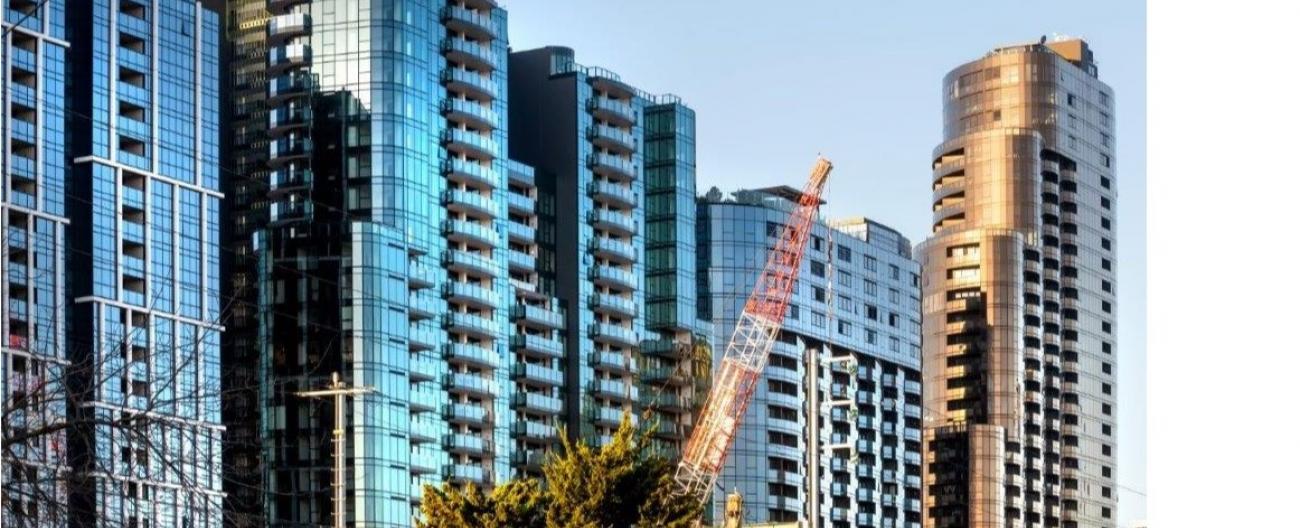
<point>746,354</point>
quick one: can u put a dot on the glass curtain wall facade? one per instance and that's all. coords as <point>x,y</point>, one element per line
<point>144,262</point>
<point>385,250</point>
<point>855,459</point>
<point>1020,328</point>
<point>581,128</point>
<point>35,171</point>
<point>245,187</point>
<point>673,383</point>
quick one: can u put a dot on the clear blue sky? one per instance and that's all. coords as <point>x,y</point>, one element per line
<point>775,83</point>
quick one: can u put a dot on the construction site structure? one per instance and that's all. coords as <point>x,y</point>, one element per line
<point>747,351</point>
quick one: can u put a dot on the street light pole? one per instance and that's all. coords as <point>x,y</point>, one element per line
<point>338,390</point>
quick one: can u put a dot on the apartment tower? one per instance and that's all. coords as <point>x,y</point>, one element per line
<point>1019,295</point>
<point>584,130</point>
<point>833,434</point>
<point>386,237</point>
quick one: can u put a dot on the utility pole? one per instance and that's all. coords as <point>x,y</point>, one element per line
<point>338,390</point>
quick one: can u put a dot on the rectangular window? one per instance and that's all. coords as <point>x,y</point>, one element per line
<point>894,344</point>
<point>846,329</point>
<point>1105,160</point>
<point>1105,182</point>
<point>819,320</point>
<point>870,286</point>
<point>819,294</point>
<point>871,263</point>
<point>845,279</point>
<point>894,272</point>
<point>818,269</point>
<point>964,273</point>
<point>964,250</point>
<point>845,253</point>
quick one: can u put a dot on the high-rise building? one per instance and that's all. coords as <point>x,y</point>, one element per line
<point>585,131</point>
<point>35,63</point>
<point>834,428</point>
<point>389,240</point>
<point>1019,295</point>
<point>112,233</point>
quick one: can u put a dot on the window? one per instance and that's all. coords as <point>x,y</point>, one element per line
<point>1105,182</point>
<point>818,269</point>
<point>819,294</point>
<point>792,311</point>
<point>893,272</point>
<point>1105,409</point>
<point>1105,224</point>
<point>964,250</point>
<point>871,263</point>
<point>844,253</point>
<point>773,229</point>
<point>1105,388</point>
<point>817,243</point>
<point>894,296</point>
<point>1105,347</point>
<point>845,279</point>
<point>871,337</point>
<point>1104,98</point>
<point>963,293</point>
<point>1069,99</point>
<point>894,344</point>
<point>1105,160</point>
<point>964,273</point>
<point>872,314</point>
<point>1074,142</point>
<point>1105,244</point>
<point>845,329</point>
<point>1105,286</point>
<point>1105,429</point>
<point>1105,202</point>
<point>893,319</point>
<point>870,286</point>
<point>1105,140</point>
<point>1105,306</point>
<point>819,319</point>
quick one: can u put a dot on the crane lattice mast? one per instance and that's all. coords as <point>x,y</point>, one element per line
<point>746,354</point>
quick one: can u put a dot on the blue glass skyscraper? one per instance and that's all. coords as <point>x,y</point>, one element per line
<point>397,248</point>
<point>35,173</point>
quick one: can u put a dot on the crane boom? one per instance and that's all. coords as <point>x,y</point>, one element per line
<point>746,353</point>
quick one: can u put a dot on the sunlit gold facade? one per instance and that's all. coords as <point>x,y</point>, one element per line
<point>1019,332</point>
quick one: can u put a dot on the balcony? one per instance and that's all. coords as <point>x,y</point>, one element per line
<point>614,389</point>
<point>471,324</point>
<point>613,362</point>
<point>609,416</point>
<point>26,96</point>
<point>461,473</point>
<point>613,221</point>
<point>470,232</point>
<point>469,53</point>
<point>612,193</point>
<point>291,211</point>
<point>472,23</point>
<point>289,178</point>
<point>470,143</point>
<point>531,460</point>
<point>615,335</point>
<point>23,59</point>
<point>613,167</point>
<point>537,375</point>
<point>613,305</point>
<point>465,413</point>
<point>287,117</point>
<point>285,87</point>
<point>537,403</point>
<point>611,138</point>
<point>521,233</point>
<point>614,249</point>
<point>470,354</point>
<point>470,294</point>
<point>537,316</point>
<point>522,261</point>
<point>134,60</point>
<point>473,384</point>
<point>666,348</point>
<point>615,111</point>
<point>470,112</point>
<point>537,345</point>
<point>423,461</point>
<point>421,305</point>
<point>424,394</point>
<point>132,197</point>
<point>423,428</point>
<point>470,83</point>
<point>521,204</point>
<point>464,443</point>
<point>423,366</point>
<point>292,148</point>
<point>468,262</point>
<point>532,430</point>
<point>470,172</point>
<point>665,375</point>
<point>286,56</point>
<point>612,277</point>
<point>287,26</point>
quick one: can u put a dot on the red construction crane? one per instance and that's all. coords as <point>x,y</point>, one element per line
<point>746,354</point>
